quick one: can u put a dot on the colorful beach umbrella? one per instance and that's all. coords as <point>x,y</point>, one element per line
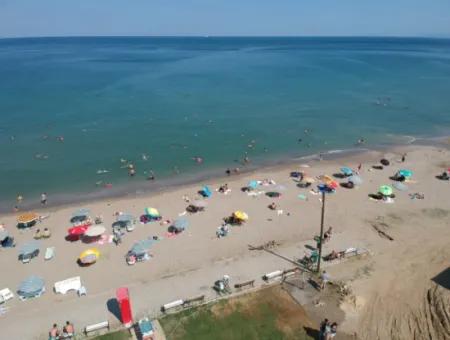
<point>89,256</point>
<point>240,215</point>
<point>346,171</point>
<point>95,231</point>
<point>206,191</point>
<point>405,173</point>
<point>385,190</point>
<point>333,184</point>
<point>152,212</point>
<point>78,230</point>
<point>27,217</point>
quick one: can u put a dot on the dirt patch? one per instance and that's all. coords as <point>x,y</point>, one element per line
<point>436,213</point>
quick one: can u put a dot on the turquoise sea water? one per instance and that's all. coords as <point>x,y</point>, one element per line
<point>176,98</point>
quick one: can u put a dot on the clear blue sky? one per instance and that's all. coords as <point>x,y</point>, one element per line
<point>224,17</point>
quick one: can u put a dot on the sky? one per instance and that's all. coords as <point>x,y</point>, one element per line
<point>25,18</point>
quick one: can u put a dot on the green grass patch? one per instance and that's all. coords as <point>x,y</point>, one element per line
<point>267,314</point>
<point>118,335</point>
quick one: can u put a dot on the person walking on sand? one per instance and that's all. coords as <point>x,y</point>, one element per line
<point>404,158</point>
<point>359,167</point>
<point>44,198</point>
<point>324,279</point>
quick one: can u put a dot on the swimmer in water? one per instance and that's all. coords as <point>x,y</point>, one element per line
<point>144,157</point>
<point>198,160</point>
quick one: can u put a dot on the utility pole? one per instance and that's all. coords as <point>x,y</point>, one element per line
<point>321,230</point>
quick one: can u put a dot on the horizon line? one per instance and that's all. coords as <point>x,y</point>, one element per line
<point>443,37</point>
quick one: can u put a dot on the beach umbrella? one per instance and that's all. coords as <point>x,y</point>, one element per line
<point>326,178</point>
<point>142,247</point>
<point>89,256</point>
<point>29,248</point>
<point>31,287</point>
<point>405,173</point>
<point>308,180</point>
<point>78,230</point>
<point>81,212</point>
<point>355,179</point>
<point>180,224</point>
<point>333,184</point>
<point>240,215</point>
<point>400,186</point>
<point>3,234</point>
<point>27,218</point>
<point>385,190</point>
<point>94,231</point>
<point>125,218</point>
<point>253,184</point>
<point>200,203</point>
<point>273,194</point>
<point>346,171</point>
<point>152,212</point>
<point>206,191</point>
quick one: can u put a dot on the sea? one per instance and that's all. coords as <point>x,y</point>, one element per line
<point>75,112</point>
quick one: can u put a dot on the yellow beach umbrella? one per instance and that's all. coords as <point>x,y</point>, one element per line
<point>327,179</point>
<point>89,256</point>
<point>27,217</point>
<point>240,215</point>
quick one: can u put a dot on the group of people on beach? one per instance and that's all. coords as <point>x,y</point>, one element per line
<point>68,332</point>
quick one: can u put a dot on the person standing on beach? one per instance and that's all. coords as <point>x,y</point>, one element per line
<point>403,157</point>
<point>325,278</point>
<point>54,332</point>
<point>359,167</point>
<point>44,198</point>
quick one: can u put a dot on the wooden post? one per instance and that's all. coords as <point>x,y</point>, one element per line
<point>321,231</point>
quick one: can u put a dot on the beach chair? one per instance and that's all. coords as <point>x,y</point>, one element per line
<point>5,295</point>
<point>49,253</point>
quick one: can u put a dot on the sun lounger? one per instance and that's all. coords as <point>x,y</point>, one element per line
<point>5,295</point>
<point>49,253</point>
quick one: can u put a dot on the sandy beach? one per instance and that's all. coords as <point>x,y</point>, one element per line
<point>394,295</point>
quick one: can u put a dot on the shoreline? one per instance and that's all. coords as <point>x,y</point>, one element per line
<point>145,188</point>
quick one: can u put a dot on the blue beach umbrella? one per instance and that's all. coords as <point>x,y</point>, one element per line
<point>142,247</point>
<point>3,234</point>
<point>355,179</point>
<point>206,191</point>
<point>81,212</point>
<point>31,287</point>
<point>181,224</point>
<point>405,173</point>
<point>346,171</point>
<point>252,184</point>
<point>125,218</point>
<point>29,248</point>
<point>400,186</point>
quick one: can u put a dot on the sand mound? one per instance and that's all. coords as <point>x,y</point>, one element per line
<point>397,320</point>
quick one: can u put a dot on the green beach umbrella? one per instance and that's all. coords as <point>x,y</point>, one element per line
<point>385,190</point>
